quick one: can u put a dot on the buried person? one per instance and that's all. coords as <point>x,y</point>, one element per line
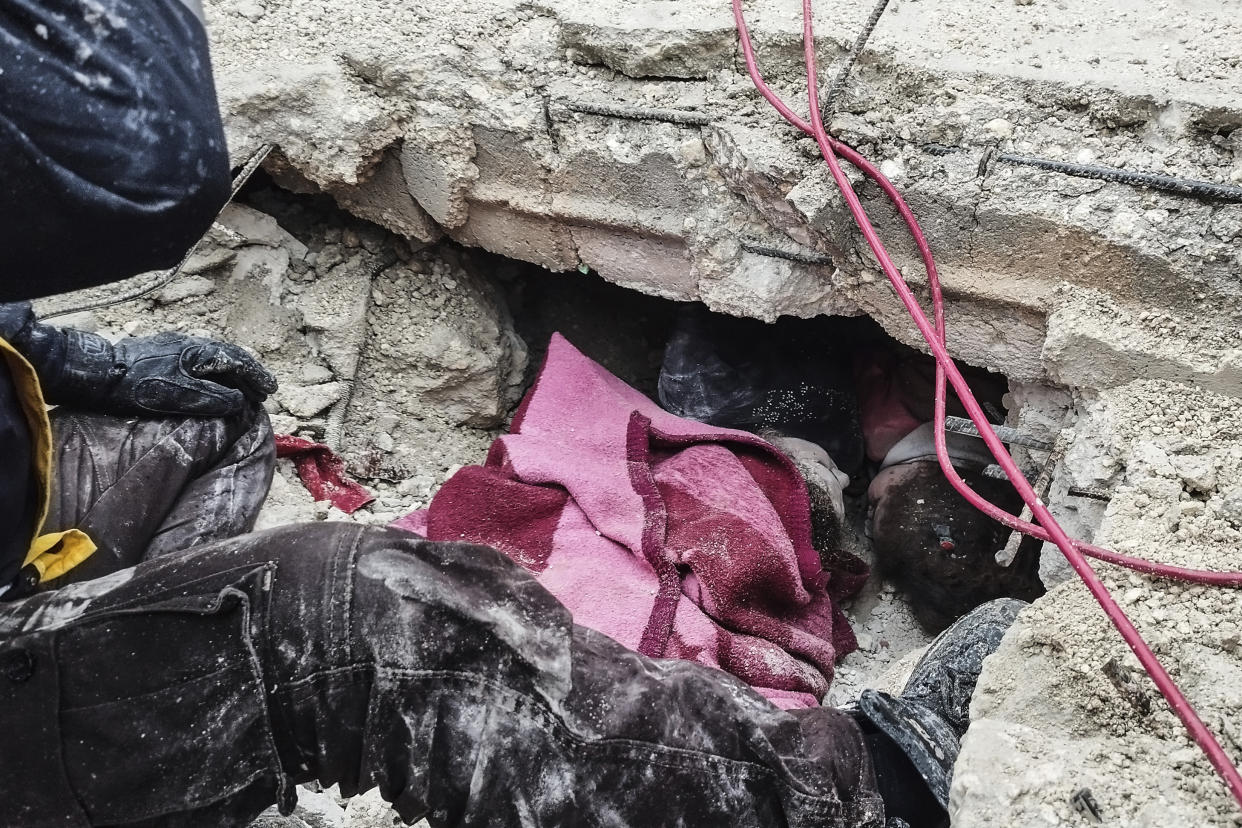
<point>846,404</point>
<point>933,544</point>
<point>937,548</point>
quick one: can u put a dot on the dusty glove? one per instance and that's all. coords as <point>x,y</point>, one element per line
<point>168,373</point>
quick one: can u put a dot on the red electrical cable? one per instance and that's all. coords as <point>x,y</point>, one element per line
<point>1170,571</point>
<point>946,369</point>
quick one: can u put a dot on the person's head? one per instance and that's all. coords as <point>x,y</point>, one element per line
<point>938,549</point>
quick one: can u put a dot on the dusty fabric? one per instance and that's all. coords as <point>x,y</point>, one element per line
<point>322,472</point>
<point>20,493</point>
<point>743,373</point>
<point>150,487</point>
<point>25,490</point>
<point>896,390</point>
<point>20,496</point>
<point>194,689</point>
<point>147,488</point>
<point>677,539</point>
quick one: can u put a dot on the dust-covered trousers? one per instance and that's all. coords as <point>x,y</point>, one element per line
<point>201,672</point>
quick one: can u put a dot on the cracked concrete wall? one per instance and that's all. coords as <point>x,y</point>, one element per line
<point>623,137</point>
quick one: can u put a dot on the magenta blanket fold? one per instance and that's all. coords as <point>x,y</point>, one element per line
<point>677,539</point>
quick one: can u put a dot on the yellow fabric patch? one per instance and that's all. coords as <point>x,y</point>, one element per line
<point>55,554</point>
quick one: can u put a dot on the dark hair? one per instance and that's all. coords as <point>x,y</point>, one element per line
<point>940,551</point>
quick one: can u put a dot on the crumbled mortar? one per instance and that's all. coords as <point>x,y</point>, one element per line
<point>1048,719</point>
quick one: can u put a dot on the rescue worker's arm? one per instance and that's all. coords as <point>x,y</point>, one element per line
<point>148,376</point>
<point>19,506</point>
<point>169,373</point>
<point>112,153</point>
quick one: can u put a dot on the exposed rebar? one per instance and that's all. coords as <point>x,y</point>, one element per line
<point>1156,181</point>
<point>843,74</point>
<point>962,425</point>
<point>788,255</point>
<point>681,117</point>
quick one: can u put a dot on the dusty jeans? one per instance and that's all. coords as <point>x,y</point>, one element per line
<point>198,686</point>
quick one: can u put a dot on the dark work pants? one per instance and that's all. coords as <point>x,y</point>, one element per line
<point>198,686</point>
<point>143,488</point>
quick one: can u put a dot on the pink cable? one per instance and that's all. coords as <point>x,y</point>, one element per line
<point>1170,571</point>
<point>935,340</point>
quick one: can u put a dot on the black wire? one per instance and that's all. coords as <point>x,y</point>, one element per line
<point>239,181</point>
<point>850,59</point>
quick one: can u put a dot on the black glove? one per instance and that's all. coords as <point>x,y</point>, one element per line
<point>168,373</point>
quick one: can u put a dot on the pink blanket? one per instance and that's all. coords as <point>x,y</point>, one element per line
<point>677,539</point>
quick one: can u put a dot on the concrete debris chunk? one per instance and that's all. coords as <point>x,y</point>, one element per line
<point>305,401</point>
<point>186,287</point>
<point>1041,726</point>
<point>259,228</point>
<point>469,127</point>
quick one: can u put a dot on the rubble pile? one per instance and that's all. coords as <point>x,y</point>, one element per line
<point>403,359</point>
<point>1063,705</point>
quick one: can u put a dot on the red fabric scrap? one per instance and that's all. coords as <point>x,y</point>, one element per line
<point>323,473</point>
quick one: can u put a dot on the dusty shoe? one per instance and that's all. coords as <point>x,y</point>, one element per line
<point>929,718</point>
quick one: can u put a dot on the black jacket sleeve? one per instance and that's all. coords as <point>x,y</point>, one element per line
<point>112,153</point>
<point>18,496</point>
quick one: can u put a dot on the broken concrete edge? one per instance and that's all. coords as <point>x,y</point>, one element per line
<point>1077,350</point>
<point>648,255</point>
<point>547,146</point>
